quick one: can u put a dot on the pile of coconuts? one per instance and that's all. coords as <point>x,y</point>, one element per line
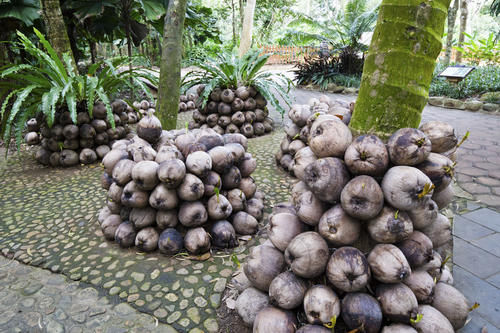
<point>66,144</point>
<point>188,102</point>
<point>297,128</point>
<point>170,190</point>
<point>242,110</point>
<point>361,244</point>
<point>139,110</point>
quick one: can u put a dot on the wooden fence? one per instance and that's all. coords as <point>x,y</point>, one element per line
<point>288,54</point>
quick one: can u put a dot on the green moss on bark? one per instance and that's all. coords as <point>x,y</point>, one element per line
<point>399,65</point>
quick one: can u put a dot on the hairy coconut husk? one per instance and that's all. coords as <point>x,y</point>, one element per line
<point>163,198</point>
<point>144,174</point>
<point>133,196</point>
<point>87,156</point>
<point>103,214</point>
<point>247,130</point>
<point>444,197</point>
<point>439,169</point>
<point>102,151</point>
<point>248,186</point>
<point>348,269</point>
<point>109,226</point>
<point>398,328</point>
<point>115,192</point>
<point>309,208</point>
<point>171,172</point>
<point>191,188</point>
<point>54,159</point>
<point>367,155</point>
<point>452,304</point>
<point>219,208</point>
<point>302,158</point>
<point>109,161</point>
<point>142,217</point>
<point>68,158</point>
<point>255,207</point>
<point>32,138</point>
<point>149,128</point>
<point>192,214</point>
<point>106,180</point>
<point>122,172</point>
<point>321,304</point>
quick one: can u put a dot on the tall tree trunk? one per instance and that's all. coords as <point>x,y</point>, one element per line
<point>399,66</point>
<point>234,23</point>
<point>452,17</point>
<point>241,12</point>
<point>93,50</point>
<point>246,32</point>
<point>170,67</point>
<point>56,29</point>
<point>463,25</point>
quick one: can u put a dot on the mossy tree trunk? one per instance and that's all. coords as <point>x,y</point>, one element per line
<point>399,65</point>
<point>246,31</point>
<point>170,67</point>
<point>452,17</point>
<point>56,28</point>
<point>464,13</point>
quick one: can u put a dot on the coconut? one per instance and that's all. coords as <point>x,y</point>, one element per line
<point>231,178</point>
<point>237,150</point>
<point>299,114</point>
<point>144,174</point>
<point>348,269</point>
<point>222,159</point>
<point>271,319</point>
<point>149,128</point>
<point>432,321</point>
<point>329,138</point>
<point>367,155</point>
<point>326,178</point>
<point>446,276</point>
<point>260,101</point>
<point>133,196</point>
<point>115,192</point>
<point>125,234</point>
<point>250,104</point>
<point>171,173</point>
<point>103,214</point>
<point>170,241</point>
<point>283,227</point>
<point>197,241</point>
<point>32,138</point>
<point>307,255</point>
<point>56,132</point>
<point>338,228</point>
<point>439,232</point>
<point>287,291</point>
<point>406,188</point>
<point>321,304</point>
<point>451,303</point>
<point>73,144</point>
<point>263,264</point>
<point>286,161</point>
<point>237,199</point>
<point>422,285</point>
<point>101,138</point>
<point>109,161</point>
<point>390,226</point>
<point>106,180</point>
<point>42,156</point>
<point>232,128</point>
<point>109,226</point>
<point>166,218</point>
<point>408,146</point>
<point>424,215</point>
<point>240,281</point>
<point>244,223</point>
<point>302,158</point>
<point>247,130</point>
<point>142,217</point>
<point>192,214</point>
<point>52,144</point>
<point>87,156</point>
<point>211,181</point>
<point>388,264</point>
<point>433,267</point>
<point>255,207</point>
<point>163,198</point>
<point>397,301</point>
<point>443,198</point>
<point>68,158</point>
<point>361,311</point>
<point>398,328</point>
<point>102,151</point>
<point>55,158</point>
<point>199,163</point>
<point>227,95</point>
<point>236,138</point>
<point>417,249</point>
<point>441,134</point>
<point>249,303</point>
<point>248,187</point>
<point>223,235</point>
<point>168,152</point>
<point>87,131</point>
<point>291,130</point>
<point>113,206</point>
<point>122,172</point>
<point>309,208</point>
<point>99,125</point>
<point>147,239</point>
<point>191,188</point>
<point>304,134</point>
<point>224,121</point>
<point>439,169</point>
<point>219,208</point>
<point>125,212</point>
<point>32,125</point>
<point>362,198</point>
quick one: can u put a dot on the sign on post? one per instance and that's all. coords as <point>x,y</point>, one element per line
<point>456,74</point>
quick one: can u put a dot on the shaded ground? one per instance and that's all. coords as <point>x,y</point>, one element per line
<point>49,219</point>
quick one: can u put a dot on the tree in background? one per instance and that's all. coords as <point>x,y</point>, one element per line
<point>452,17</point>
<point>463,25</point>
<point>56,28</point>
<point>399,66</point>
<point>170,67</point>
<point>246,31</point>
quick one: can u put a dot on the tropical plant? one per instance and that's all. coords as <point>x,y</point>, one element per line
<point>230,71</point>
<point>495,8</point>
<point>49,83</point>
<point>485,50</point>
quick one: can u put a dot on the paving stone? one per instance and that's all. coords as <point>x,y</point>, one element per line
<point>490,243</point>
<point>173,317</point>
<point>194,315</point>
<point>211,325</point>
<point>475,188</point>
<point>139,277</point>
<point>481,263</point>
<point>486,217</point>
<point>491,200</point>
<point>468,230</point>
<point>479,291</point>
<point>494,280</point>
<point>54,326</point>
<point>487,180</point>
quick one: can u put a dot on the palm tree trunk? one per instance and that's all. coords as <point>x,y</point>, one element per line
<point>170,67</point>
<point>234,23</point>
<point>56,28</point>
<point>246,32</point>
<point>399,66</point>
<point>463,25</point>
<point>452,17</point>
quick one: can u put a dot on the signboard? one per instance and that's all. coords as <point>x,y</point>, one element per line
<point>456,73</point>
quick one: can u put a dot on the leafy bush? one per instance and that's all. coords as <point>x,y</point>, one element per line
<point>230,71</point>
<point>481,80</point>
<point>321,71</point>
<point>481,50</point>
<point>51,83</point>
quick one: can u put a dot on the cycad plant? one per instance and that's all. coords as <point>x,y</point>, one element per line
<point>230,71</point>
<point>49,83</point>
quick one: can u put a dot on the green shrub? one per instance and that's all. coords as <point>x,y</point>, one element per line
<point>481,80</point>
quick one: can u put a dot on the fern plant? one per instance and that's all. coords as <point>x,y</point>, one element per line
<point>230,71</point>
<point>49,83</point>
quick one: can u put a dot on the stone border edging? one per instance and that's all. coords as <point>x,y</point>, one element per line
<point>470,105</point>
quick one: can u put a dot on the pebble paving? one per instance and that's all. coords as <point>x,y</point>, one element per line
<point>49,219</point>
